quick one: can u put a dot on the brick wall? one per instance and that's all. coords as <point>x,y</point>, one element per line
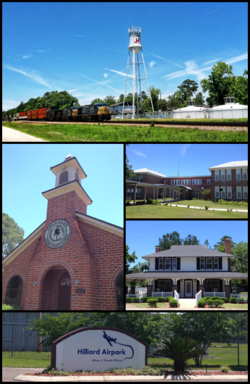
<point>225,183</point>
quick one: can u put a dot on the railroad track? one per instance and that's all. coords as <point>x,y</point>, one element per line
<point>229,126</point>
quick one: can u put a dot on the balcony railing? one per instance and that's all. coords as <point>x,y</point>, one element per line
<point>211,294</point>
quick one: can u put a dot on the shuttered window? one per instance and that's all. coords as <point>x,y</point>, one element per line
<point>64,177</point>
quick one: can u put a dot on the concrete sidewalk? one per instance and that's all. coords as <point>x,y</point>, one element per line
<point>130,378</point>
<point>209,209</point>
<point>14,136</point>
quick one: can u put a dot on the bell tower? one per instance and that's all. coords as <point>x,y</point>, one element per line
<point>68,194</point>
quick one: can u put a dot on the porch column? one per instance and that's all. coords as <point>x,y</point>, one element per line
<point>201,285</point>
<point>145,193</point>
<point>156,193</point>
<point>149,290</point>
<point>227,287</point>
<point>201,288</point>
<point>175,289</point>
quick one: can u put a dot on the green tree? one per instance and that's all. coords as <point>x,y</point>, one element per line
<point>140,267</point>
<point>188,88</point>
<point>191,240</point>
<point>169,239</point>
<point>199,99</point>
<point>179,349</point>
<point>239,88</point>
<point>97,101</point>
<point>109,100</point>
<point>12,235</point>
<point>240,262</point>
<point>207,244</point>
<point>206,192</point>
<point>218,83</point>
<point>129,258</point>
<point>129,173</point>
<point>220,246</point>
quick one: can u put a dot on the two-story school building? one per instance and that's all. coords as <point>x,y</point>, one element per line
<point>72,261</point>
<point>227,181</point>
<point>188,269</point>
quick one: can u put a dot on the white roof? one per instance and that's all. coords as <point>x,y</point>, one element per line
<point>231,164</point>
<point>229,106</point>
<point>146,170</point>
<point>190,108</point>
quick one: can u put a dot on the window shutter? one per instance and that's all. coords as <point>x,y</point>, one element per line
<point>178,286</point>
<point>220,262</point>
<point>171,263</point>
<point>178,263</point>
<point>212,263</point>
<point>163,262</point>
<point>156,263</point>
<point>198,285</point>
<point>198,263</point>
<point>220,286</point>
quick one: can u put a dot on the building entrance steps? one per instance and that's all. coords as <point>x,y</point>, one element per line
<point>187,303</point>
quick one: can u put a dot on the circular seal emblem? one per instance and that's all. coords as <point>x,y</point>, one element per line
<point>57,234</point>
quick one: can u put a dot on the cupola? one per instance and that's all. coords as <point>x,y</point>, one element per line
<point>67,171</point>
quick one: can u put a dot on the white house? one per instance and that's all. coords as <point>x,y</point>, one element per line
<point>188,269</point>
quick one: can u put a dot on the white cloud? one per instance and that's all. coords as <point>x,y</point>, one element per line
<point>73,90</point>
<point>192,69</point>
<point>9,104</point>
<point>106,75</point>
<point>26,57</point>
<point>163,58</point>
<point>37,78</point>
<point>119,73</point>
<point>140,154</point>
<point>237,58</point>
<point>99,82</point>
<point>211,61</point>
<point>184,149</point>
<point>151,64</point>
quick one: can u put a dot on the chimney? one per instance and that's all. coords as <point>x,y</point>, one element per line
<point>157,248</point>
<point>228,245</point>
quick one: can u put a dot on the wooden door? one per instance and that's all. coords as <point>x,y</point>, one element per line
<point>64,293</point>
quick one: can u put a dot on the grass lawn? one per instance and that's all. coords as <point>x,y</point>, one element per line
<point>113,133</point>
<point>243,307</point>
<point>162,212</point>
<point>145,305</point>
<point>222,356</point>
<point>26,359</point>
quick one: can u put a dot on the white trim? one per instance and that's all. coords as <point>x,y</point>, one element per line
<point>72,186</point>
<point>97,223</point>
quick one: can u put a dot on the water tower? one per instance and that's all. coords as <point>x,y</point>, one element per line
<point>135,73</point>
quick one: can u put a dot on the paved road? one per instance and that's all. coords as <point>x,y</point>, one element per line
<point>12,135</point>
<point>9,374</point>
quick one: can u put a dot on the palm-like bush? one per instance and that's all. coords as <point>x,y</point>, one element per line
<point>180,350</point>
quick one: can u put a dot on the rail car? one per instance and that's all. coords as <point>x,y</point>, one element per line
<point>92,112</point>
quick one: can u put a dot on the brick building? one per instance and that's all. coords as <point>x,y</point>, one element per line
<point>227,181</point>
<point>72,261</point>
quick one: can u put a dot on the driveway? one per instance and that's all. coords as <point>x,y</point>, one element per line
<point>12,135</point>
<point>9,374</point>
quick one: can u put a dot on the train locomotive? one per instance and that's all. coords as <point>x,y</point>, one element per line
<point>91,112</point>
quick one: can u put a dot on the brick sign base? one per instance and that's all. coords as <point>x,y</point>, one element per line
<point>97,349</point>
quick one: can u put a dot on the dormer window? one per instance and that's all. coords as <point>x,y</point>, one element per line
<point>64,177</point>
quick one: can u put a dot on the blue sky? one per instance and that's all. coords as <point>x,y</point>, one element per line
<point>26,174</point>
<point>82,47</point>
<point>143,236</point>
<point>194,159</point>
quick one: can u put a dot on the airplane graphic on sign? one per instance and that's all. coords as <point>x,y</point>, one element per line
<point>137,41</point>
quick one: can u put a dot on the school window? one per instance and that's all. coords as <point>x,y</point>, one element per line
<point>202,263</point>
<point>238,190</point>
<point>174,264</point>
<point>245,192</point>
<point>217,175</point>
<point>128,192</point>
<point>138,193</point>
<point>223,192</point>
<point>238,174</point>
<point>165,181</point>
<point>244,174</point>
<point>222,175</point>
<point>217,192</point>
<point>140,178</point>
<point>229,192</point>
<point>228,174</point>
<point>208,181</point>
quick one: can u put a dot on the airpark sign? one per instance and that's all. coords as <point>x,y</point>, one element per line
<point>97,349</point>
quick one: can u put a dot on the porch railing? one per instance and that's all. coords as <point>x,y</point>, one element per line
<point>176,296</point>
<point>140,294</point>
<point>237,295</point>
<point>198,296</point>
<point>162,294</point>
<point>219,294</point>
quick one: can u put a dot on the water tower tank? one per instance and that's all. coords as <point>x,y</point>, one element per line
<point>134,39</point>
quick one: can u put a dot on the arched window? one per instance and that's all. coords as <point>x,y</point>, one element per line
<point>64,177</point>
<point>119,289</point>
<point>14,291</point>
<point>77,177</point>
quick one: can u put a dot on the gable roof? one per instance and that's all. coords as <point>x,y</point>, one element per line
<point>188,251</point>
<point>100,223</point>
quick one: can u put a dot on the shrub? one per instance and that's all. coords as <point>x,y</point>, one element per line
<point>161,299</point>
<point>127,203</point>
<point>241,300</point>
<point>129,299</point>
<point>166,299</point>
<point>224,368</point>
<point>210,302</point>
<point>152,124</point>
<point>232,300</point>
<point>201,303</point>
<point>225,299</point>
<point>166,204</point>
<point>136,300</point>
<point>152,302</point>
<point>155,202</point>
<point>206,207</point>
<point>218,303</point>
<point>150,200</point>
<point>144,299</point>
<point>173,303</point>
